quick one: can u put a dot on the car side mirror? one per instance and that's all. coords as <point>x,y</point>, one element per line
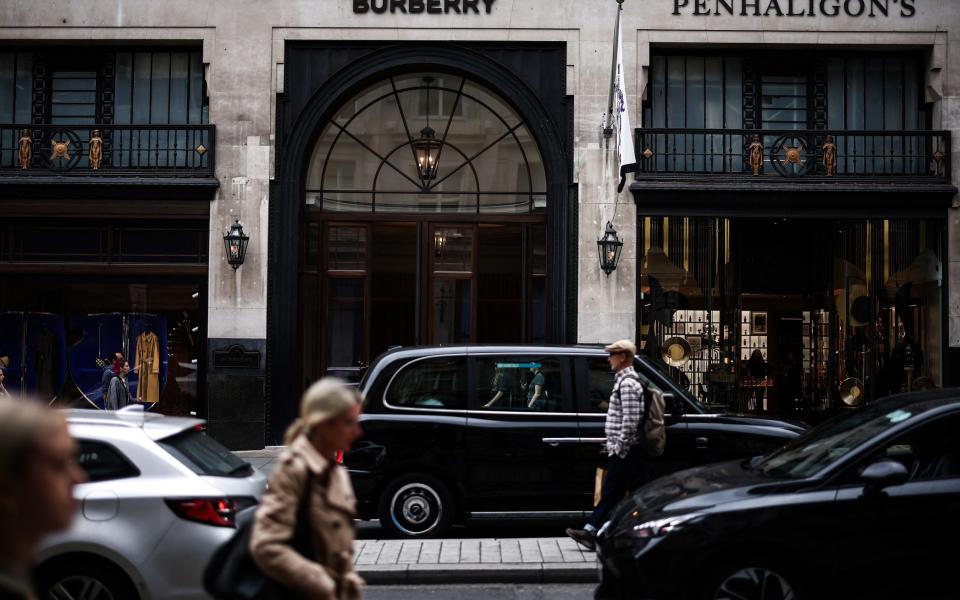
<point>883,474</point>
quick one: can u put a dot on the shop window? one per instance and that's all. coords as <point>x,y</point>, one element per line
<point>102,462</point>
<point>523,383</point>
<point>175,242</point>
<point>437,383</point>
<point>60,335</point>
<point>161,244</point>
<point>160,88</point>
<point>16,72</point>
<point>48,243</point>
<point>695,92</point>
<point>734,313</point>
<point>877,93</point>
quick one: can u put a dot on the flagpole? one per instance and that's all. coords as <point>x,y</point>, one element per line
<point>608,125</point>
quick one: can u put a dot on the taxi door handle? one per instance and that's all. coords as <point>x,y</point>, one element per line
<point>701,442</point>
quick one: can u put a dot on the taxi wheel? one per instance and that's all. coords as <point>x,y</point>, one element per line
<point>417,505</point>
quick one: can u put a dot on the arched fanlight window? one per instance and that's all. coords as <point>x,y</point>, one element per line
<point>427,142</point>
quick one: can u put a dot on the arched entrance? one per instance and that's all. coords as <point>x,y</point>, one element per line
<point>423,221</point>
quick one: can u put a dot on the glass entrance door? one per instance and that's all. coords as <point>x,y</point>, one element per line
<point>452,289</point>
<point>368,287</point>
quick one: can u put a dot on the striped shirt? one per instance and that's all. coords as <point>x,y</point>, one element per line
<point>624,413</point>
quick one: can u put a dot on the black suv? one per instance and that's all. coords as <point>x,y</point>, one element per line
<point>453,432</point>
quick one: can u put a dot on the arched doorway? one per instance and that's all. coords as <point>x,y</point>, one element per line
<point>423,221</point>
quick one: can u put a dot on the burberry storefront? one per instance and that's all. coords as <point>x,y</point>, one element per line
<point>429,190</point>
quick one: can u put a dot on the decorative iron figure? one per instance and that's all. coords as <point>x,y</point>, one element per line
<point>756,155</point>
<point>26,149</point>
<point>829,156</point>
<point>96,150</point>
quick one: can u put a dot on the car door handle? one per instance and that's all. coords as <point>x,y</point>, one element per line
<point>701,442</point>
<point>559,440</point>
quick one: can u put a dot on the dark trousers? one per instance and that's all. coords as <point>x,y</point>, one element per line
<point>623,476</point>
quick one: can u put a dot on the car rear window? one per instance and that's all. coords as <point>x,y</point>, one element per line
<point>204,455</point>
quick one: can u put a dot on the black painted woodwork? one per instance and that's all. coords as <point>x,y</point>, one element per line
<point>319,76</point>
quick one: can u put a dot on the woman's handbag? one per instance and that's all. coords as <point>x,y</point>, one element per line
<point>232,573</point>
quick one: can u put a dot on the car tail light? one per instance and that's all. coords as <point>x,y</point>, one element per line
<point>340,457</point>
<point>220,512</point>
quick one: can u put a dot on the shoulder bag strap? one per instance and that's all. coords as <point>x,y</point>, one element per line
<point>302,540</point>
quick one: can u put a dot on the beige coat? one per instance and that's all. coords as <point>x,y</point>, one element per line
<point>332,510</point>
<point>148,367</point>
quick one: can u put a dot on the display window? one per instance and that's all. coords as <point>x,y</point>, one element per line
<point>796,317</point>
<point>60,340</point>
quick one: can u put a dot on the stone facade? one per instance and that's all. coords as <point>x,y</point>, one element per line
<point>243,52</point>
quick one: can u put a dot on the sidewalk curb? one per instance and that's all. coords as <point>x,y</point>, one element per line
<point>420,574</point>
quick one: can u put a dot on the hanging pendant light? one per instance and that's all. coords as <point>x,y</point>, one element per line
<point>426,148</point>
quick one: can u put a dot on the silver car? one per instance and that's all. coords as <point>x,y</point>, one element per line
<point>161,497</point>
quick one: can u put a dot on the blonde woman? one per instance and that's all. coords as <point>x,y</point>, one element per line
<point>38,470</point>
<point>328,423</point>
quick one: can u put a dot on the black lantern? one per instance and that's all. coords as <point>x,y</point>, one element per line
<point>426,148</point>
<point>235,242</point>
<point>609,247</point>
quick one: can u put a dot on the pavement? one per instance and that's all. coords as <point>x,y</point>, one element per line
<point>501,560</point>
<point>524,591</point>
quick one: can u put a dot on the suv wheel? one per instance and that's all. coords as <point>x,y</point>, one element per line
<point>84,579</point>
<point>416,505</point>
<point>754,580</point>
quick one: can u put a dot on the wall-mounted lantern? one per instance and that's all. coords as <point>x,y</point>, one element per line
<point>235,243</point>
<point>609,247</point>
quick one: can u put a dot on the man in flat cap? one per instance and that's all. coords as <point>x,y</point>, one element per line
<point>625,470</point>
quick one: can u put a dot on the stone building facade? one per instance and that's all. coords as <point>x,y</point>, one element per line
<point>313,116</point>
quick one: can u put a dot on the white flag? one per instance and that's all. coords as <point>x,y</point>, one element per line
<point>621,118</point>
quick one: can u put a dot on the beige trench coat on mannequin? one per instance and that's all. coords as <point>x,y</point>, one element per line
<point>332,510</point>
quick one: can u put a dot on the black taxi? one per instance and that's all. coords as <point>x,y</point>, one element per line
<point>453,432</point>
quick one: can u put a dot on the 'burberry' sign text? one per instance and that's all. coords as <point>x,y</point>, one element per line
<point>417,7</point>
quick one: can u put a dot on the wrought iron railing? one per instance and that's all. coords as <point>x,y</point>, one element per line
<point>795,154</point>
<point>108,150</point>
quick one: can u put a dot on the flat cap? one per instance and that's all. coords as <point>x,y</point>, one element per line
<point>622,346</point>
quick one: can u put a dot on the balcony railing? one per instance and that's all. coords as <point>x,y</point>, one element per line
<point>107,150</point>
<point>791,154</point>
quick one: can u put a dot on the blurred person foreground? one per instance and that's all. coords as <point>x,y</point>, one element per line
<point>38,471</point>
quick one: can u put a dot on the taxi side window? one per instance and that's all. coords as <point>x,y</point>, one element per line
<point>522,383</point>
<point>438,383</point>
<point>600,381</point>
